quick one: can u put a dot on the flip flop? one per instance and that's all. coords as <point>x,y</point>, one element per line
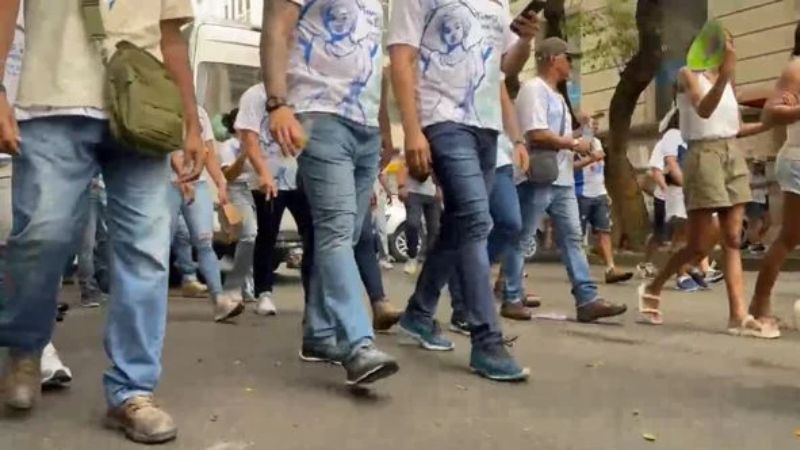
<point>648,316</point>
<point>750,327</point>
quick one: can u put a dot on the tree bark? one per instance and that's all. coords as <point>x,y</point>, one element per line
<point>629,210</point>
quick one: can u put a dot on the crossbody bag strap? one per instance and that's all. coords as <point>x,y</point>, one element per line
<point>93,23</point>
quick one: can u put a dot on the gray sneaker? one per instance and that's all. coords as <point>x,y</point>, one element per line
<point>366,364</point>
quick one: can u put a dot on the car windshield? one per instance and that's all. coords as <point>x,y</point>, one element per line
<point>220,86</point>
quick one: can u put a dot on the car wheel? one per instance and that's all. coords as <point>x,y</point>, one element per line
<point>530,250</point>
<point>398,246</point>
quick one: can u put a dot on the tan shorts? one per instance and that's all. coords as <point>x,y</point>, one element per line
<point>715,175</point>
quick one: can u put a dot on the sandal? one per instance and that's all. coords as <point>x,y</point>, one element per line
<point>648,316</point>
<point>750,327</point>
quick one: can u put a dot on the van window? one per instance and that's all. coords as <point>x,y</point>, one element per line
<point>220,86</point>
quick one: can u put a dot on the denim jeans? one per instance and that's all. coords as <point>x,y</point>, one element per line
<point>269,214</point>
<point>337,169</point>
<point>464,162</point>
<point>182,248</point>
<point>57,160</point>
<point>561,204</point>
<point>93,234</point>
<point>418,205</point>
<point>366,253</point>
<point>505,210</point>
<point>199,217</point>
<point>240,197</point>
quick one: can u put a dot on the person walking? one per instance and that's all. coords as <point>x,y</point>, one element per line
<point>252,124</point>
<point>547,124</point>
<point>453,105</point>
<point>60,139</point>
<point>91,294</point>
<point>716,180</point>
<point>782,108</point>
<point>421,200</point>
<point>594,205</point>
<point>323,73</point>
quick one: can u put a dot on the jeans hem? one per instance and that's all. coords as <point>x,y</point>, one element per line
<point>118,399</point>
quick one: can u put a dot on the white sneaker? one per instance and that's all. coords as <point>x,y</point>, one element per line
<point>411,267</point>
<point>265,306</point>
<point>54,373</point>
<point>227,306</point>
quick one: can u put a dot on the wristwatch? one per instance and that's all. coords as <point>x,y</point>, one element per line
<point>520,142</point>
<point>274,103</point>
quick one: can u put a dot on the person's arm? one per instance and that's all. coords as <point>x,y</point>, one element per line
<point>783,105</point>
<point>512,130</point>
<point>658,177</point>
<point>279,20</point>
<point>9,131</point>
<point>385,124</point>
<point>402,180</point>
<point>517,56</point>
<point>689,83</point>
<point>750,129</point>
<point>176,61</point>
<point>583,161</point>
<point>252,148</point>
<point>235,169</point>
<point>674,170</point>
<point>404,82</point>
<point>215,172</point>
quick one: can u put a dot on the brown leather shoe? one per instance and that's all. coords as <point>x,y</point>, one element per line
<point>142,421</point>
<point>615,275</point>
<point>599,309</point>
<point>384,315</point>
<point>531,300</point>
<point>23,381</point>
<point>515,311</point>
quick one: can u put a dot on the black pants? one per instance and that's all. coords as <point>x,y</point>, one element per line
<point>269,214</point>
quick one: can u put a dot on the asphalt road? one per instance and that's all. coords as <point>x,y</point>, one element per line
<point>593,387</point>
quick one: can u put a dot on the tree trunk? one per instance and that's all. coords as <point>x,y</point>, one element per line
<point>629,210</point>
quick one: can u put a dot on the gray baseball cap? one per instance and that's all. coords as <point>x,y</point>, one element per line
<point>554,46</point>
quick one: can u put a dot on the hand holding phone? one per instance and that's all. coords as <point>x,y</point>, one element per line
<point>530,11</point>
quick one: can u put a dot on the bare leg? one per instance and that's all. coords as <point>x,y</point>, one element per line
<point>698,245</point>
<point>754,231</point>
<point>705,265</point>
<point>787,240</point>
<point>731,232</point>
<point>604,244</point>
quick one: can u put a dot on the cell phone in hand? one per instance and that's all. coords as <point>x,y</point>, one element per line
<point>534,7</point>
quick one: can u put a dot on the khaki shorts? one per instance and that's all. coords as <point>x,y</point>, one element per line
<point>715,175</point>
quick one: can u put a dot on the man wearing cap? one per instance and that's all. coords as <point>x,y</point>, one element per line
<point>547,125</point>
<point>446,69</point>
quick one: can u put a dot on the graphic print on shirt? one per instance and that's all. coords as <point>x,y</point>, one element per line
<point>279,165</point>
<point>454,51</point>
<point>345,47</point>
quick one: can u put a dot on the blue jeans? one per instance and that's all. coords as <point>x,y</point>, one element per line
<point>338,168</point>
<point>199,217</point>
<point>240,197</point>
<point>87,255</point>
<point>464,162</point>
<point>561,204</point>
<point>366,253</point>
<point>182,247</point>
<point>505,210</point>
<point>57,160</point>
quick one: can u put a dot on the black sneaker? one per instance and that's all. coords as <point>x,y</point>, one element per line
<point>459,326</point>
<point>367,364</point>
<point>699,277</point>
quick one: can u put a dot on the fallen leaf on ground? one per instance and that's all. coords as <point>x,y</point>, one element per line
<point>649,437</point>
<point>596,364</point>
<point>249,389</point>
<point>461,388</point>
<point>213,418</point>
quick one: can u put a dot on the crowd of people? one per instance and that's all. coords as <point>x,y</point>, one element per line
<point>481,168</point>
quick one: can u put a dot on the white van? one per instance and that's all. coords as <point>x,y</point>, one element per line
<point>225,62</point>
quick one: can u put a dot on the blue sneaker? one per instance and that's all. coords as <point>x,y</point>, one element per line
<point>699,277</point>
<point>686,284</point>
<point>428,337</point>
<point>495,363</point>
<point>324,351</point>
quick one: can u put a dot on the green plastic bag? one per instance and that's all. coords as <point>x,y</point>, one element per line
<point>708,48</point>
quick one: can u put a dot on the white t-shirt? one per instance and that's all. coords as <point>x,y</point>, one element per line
<point>460,46</point>
<point>759,193</point>
<point>253,117</point>
<point>673,145</point>
<point>657,162</point>
<point>590,181</point>
<point>229,152</point>
<point>426,188</point>
<point>505,150</point>
<point>336,65</point>
<point>540,107</point>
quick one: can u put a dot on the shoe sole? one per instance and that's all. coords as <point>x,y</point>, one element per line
<point>518,377</point>
<point>377,373</point>
<point>458,330</point>
<point>314,359</point>
<point>60,379</point>
<point>621,279</point>
<point>604,316</point>
<point>265,313</point>
<point>422,343</point>
<point>140,438</point>
<point>230,314</point>
<point>19,406</point>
